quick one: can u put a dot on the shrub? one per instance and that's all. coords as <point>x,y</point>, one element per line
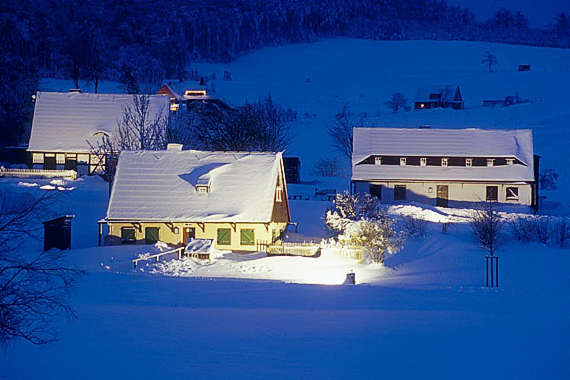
<point>414,227</point>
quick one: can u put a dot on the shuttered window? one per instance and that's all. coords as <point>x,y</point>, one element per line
<point>128,235</point>
<point>151,235</point>
<point>224,236</point>
<point>247,237</point>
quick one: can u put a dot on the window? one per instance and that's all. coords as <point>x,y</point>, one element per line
<point>275,235</point>
<point>512,193</point>
<point>510,161</point>
<point>468,162</point>
<point>423,161</point>
<point>82,158</point>
<point>128,235</point>
<point>203,188</point>
<point>400,192</point>
<point>492,193</point>
<point>490,162</point>
<point>224,236</point>
<point>60,159</point>
<point>377,160</point>
<point>376,191</point>
<point>444,162</point>
<point>403,161</point>
<point>151,235</point>
<point>247,237</point>
<point>38,158</point>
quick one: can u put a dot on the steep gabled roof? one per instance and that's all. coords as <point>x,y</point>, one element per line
<point>63,121</point>
<point>447,92</point>
<point>161,186</point>
<point>443,143</point>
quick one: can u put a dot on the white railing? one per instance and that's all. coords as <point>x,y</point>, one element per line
<point>38,173</point>
<point>157,256</point>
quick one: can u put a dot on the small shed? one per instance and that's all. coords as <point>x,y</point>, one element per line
<point>292,166</point>
<point>57,233</point>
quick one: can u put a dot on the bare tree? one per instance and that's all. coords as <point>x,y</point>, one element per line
<point>490,60</point>
<point>397,101</point>
<point>138,129</point>
<point>328,167</point>
<point>261,126</point>
<point>487,226</point>
<point>33,291</point>
<point>341,131</point>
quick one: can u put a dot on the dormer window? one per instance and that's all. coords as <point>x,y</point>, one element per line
<point>203,185</point>
<point>490,162</point>
<point>279,190</point>
<point>423,161</point>
<point>444,162</point>
<point>510,161</point>
<point>468,162</point>
<point>377,160</point>
<point>403,161</point>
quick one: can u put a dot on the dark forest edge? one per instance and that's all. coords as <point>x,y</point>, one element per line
<point>142,42</point>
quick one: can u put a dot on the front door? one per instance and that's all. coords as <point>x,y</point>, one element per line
<point>49,163</point>
<point>188,233</point>
<point>442,196</point>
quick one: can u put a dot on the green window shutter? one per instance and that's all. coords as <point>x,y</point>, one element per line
<point>247,237</point>
<point>151,235</point>
<point>224,236</point>
<point>128,235</point>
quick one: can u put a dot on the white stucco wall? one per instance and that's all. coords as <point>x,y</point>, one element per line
<point>459,194</point>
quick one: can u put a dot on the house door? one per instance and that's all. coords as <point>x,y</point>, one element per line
<point>442,196</point>
<point>188,233</point>
<point>71,163</point>
<point>49,163</point>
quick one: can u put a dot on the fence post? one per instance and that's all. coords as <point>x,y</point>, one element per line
<point>487,271</point>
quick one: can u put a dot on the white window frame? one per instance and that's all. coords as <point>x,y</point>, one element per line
<point>490,162</point>
<point>423,161</point>
<point>510,161</point>
<point>279,193</point>
<point>377,160</point>
<point>444,162</point>
<point>37,158</point>
<point>403,161</point>
<point>468,162</point>
<point>512,197</point>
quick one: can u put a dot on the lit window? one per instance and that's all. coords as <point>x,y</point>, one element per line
<point>38,158</point>
<point>279,193</point>
<point>490,162</point>
<point>403,161</point>
<point>423,161</point>
<point>512,193</point>
<point>422,105</point>
<point>60,159</point>
<point>468,162</point>
<point>444,162</point>
<point>377,160</point>
<point>510,161</point>
<point>203,188</point>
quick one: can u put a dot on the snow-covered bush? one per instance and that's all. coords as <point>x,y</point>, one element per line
<point>545,230</point>
<point>414,227</point>
<point>487,226</point>
<point>359,221</point>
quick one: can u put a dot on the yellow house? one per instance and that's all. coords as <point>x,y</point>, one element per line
<point>234,198</point>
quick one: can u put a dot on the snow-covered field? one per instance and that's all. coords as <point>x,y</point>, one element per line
<point>423,315</point>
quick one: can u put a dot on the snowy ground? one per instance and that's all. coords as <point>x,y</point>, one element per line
<point>423,315</point>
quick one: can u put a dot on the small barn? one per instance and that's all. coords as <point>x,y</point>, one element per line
<point>438,97</point>
<point>185,95</point>
<point>446,167</point>
<point>233,198</point>
<point>64,124</point>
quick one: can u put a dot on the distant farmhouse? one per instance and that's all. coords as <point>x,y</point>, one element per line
<point>445,167</point>
<point>185,97</point>
<point>64,122</point>
<point>439,97</point>
<point>233,198</point>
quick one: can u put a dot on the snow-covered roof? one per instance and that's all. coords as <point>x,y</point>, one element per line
<point>161,186</point>
<point>447,92</point>
<point>443,143</point>
<point>179,89</point>
<point>64,121</point>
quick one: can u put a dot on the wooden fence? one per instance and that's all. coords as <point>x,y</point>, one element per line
<point>157,256</point>
<point>38,173</point>
<point>289,249</point>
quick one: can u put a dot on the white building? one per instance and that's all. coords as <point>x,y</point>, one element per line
<point>445,167</point>
<point>65,122</point>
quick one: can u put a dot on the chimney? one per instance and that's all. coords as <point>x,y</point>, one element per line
<point>174,147</point>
